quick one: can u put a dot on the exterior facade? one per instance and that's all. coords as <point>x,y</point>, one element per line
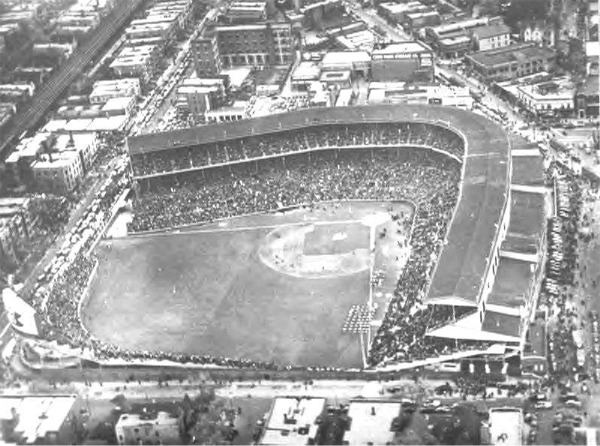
<point>511,62</point>
<point>59,173</point>
<point>403,62</point>
<point>548,99</point>
<point>587,99</point>
<point>109,89</point>
<point>137,62</point>
<point>491,37</point>
<point>258,44</point>
<point>16,224</point>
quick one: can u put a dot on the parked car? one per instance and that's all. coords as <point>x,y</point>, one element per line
<point>544,405</point>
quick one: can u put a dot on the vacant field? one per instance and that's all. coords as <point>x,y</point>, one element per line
<point>208,292</point>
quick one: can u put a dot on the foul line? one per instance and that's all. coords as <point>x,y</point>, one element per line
<point>245,228</point>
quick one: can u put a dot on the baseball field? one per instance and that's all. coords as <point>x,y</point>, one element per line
<point>273,287</point>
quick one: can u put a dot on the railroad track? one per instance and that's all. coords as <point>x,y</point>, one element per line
<point>56,85</point>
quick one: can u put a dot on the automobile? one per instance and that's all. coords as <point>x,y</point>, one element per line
<point>543,405</point>
<point>538,397</point>
<point>568,397</point>
<point>576,404</point>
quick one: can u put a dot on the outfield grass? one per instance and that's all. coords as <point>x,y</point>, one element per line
<point>210,294</point>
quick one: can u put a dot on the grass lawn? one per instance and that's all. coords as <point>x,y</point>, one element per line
<point>209,293</point>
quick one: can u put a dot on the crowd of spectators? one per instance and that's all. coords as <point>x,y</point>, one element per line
<point>308,138</point>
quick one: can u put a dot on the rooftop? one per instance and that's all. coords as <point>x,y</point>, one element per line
<point>371,422</point>
<point>527,222</point>
<point>346,57</point>
<point>528,169</point>
<point>487,31</point>
<point>510,53</point>
<point>506,422</point>
<point>38,415</point>
<point>307,70</point>
<point>512,283</point>
<point>410,46</point>
<point>503,324</point>
<point>292,420</point>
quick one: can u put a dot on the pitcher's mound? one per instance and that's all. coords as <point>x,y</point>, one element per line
<point>317,251</point>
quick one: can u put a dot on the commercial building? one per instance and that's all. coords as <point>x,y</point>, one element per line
<point>247,11</point>
<point>491,37</point>
<point>548,99</point>
<point>119,106</point>
<point>197,96</point>
<point>587,100</point>
<point>243,41</point>
<point>407,93</point>
<point>102,91</point>
<point>140,62</point>
<point>396,12</point>
<point>357,62</point>
<point>457,39</point>
<point>415,21</point>
<point>235,112</point>
<point>17,223</point>
<point>52,162</point>
<point>410,61</point>
<point>293,421</point>
<point>304,74</point>
<point>372,422</point>
<point>41,419</point>
<point>147,428</point>
<point>207,59</point>
<point>339,79</point>
<point>57,173</point>
<point>506,426</point>
<point>511,62</point>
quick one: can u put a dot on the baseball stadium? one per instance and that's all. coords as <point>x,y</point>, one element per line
<point>363,238</point>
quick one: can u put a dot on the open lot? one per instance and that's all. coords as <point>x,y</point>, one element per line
<point>207,291</point>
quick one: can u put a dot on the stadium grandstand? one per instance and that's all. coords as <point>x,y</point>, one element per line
<point>470,286</point>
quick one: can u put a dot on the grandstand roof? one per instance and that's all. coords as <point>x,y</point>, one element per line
<point>511,284</point>
<point>501,323</point>
<point>473,231</point>
<point>527,222</point>
<point>527,165</point>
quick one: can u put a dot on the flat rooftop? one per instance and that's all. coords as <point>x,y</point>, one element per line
<point>527,221</point>
<point>512,283</point>
<point>527,166</point>
<point>292,420</point>
<point>38,415</point>
<point>371,422</point>
<point>507,424</point>
<point>403,47</point>
<point>510,53</point>
<point>503,324</point>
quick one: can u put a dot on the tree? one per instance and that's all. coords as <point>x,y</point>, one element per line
<point>520,11</point>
